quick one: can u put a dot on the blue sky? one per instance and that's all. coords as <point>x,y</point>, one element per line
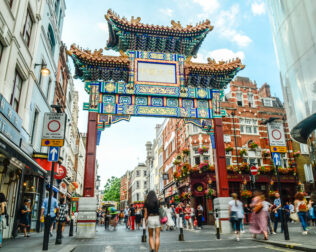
<point>241,29</point>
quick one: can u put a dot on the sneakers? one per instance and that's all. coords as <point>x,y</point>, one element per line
<point>237,239</point>
<point>304,233</point>
<point>273,232</point>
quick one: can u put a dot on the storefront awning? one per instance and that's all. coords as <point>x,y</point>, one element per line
<point>12,150</point>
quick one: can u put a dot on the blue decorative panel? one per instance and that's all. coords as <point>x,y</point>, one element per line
<point>172,102</point>
<point>108,99</point>
<point>141,100</point>
<point>187,103</point>
<point>126,100</point>
<point>157,102</point>
<point>202,104</point>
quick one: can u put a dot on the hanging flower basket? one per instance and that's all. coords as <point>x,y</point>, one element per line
<point>243,152</point>
<point>204,166</point>
<point>176,198</point>
<point>179,157</point>
<point>297,154</point>
<point>212,168</point>
<point>209,193</point>
<point>203,150</point>
<point>233,169</point>
<point>264,169</point>
<point>246,194</point>
<point>186,151</point>
<point>272,193</point>
<point>176,162</point>
<point>244,167</point>
<point>228,148</point>
<point>266,153</point>
<point>253,145</point>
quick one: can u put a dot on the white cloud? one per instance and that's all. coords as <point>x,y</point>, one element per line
<point>103,26</point>
<point>208,6</point>
<point>258,8</point>
<point>220,54</point>
<point>226,23</point>
<point>166,11</point>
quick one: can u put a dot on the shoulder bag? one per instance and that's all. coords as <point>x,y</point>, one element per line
<point>163,216</point>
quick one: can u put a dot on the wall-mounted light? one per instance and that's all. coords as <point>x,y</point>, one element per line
<point>44,70</point>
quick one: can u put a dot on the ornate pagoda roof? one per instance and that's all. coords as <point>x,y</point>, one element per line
<point>213,66</point>
<point>134,35</point>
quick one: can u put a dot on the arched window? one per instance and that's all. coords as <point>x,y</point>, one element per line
<point>51,38</point>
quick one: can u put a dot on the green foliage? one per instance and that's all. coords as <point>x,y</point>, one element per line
<point>112,189</point>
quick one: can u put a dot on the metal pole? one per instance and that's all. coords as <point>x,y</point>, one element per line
<point>48,217</point>
<point>144,237</point>
<point>59,233</point>
<point>218,235</point>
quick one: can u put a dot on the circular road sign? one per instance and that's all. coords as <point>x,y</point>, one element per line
<point>53,125</point>
<point>276,134</point>
<point>254,170</point>
<point>61,172</point>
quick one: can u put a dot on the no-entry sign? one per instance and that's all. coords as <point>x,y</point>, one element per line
<point>53,128</point>
<point>254,170</point>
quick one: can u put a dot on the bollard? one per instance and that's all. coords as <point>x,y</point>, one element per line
<point>284,223</point>
<point>181,237</point>
<point>59,233</point>
<point>144,237</point>
<point>218,236</point>
<point>71,227</point>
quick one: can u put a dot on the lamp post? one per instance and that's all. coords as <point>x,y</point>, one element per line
<point>44,70</point>
<point>283,214</point>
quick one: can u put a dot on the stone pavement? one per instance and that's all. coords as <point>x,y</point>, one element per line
<point>125,240</point>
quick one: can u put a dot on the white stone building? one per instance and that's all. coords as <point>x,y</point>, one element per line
<point>138,183</point>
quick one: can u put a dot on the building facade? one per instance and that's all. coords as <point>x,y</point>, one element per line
<point>138,183</point>
<point>125,180</point>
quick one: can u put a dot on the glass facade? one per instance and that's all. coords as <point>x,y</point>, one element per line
<point>294,35</point>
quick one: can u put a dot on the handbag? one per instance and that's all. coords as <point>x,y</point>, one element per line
<point>258,208</point>
<point>163,216</point>
<point>294,217</point>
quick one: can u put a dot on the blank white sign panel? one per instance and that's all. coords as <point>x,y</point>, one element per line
<point>155,72</point>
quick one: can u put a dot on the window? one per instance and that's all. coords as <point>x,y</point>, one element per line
<point>1,50</point>
<point>59,20</point>
<point>48,88</point>
<point>51,38</point>
<point>137,184</point>
<point>145,184</point>
<point>239,99</point>
<point>160,160</point>
<point>16,92</point>
<point>228,160</point>
<point>145,173</point>
<point>267,102</point>
<point>10,2</point>
<point>248,126</point>
<point>284,160</point>
<point>34,126</point>
<point>137,173</point>
<point>27,30</point>
<point>173,145</point>
<point>195,129</point>
<point>56,7</point>
<point>137,196</point>
<point>197,160</point>
<point>250,100</point>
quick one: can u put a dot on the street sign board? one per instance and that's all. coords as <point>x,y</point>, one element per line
<point>276,158</point>
<point>276,134</point>
<point>254,170</point>
<point>52,142</point>
<point>61,172</point>
<point>54,126</point>
<point>282,149</point>
<point>53,154</point>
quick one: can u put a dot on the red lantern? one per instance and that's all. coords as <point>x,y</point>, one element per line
<point>75,184</point>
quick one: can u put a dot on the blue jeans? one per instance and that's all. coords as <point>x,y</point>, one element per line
<point>302,216</point>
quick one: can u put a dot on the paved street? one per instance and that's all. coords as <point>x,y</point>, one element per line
<point>123,240</point>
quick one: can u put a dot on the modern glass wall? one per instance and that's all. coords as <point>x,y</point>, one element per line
<point>294,34</point>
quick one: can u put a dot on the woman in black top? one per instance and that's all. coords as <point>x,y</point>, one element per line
<point>25,216</point>
<point>152,220</point>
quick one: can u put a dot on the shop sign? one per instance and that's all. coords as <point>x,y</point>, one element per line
<point>9,131</point>
<point>54,129</point>
<point>276,134</point>
<point>8,112</point>
<point>282,149</point>
<point>63,188</point>
<point>61,172</point>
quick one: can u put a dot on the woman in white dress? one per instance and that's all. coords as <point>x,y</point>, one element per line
<point>170,222</point>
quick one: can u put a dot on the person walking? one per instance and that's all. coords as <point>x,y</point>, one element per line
<point>179,214</point>
<point>126,211</point>
<point>258,222</point>
<point>236,214</point>
<point>132,217</point>
<point>170,223</point>
<point>188,218</point>
<point>53,209</point>
<point>173,215</point>
<point>199,216</point>
<point>312,213</point>
<point>267,206</point>
<point>301,209</point>
<point>247,212</point>
<point>25,219</point>
<point>152,220</point>
<point>277,213</point>
<point>3,212</point>
<point>138,217</point>
<point>63,216</point>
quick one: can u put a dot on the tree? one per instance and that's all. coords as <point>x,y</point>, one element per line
<point>112,189</point>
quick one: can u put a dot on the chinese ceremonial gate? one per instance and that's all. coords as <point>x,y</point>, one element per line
<point>153,76</point>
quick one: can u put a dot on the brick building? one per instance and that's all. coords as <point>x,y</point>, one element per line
<point>124,190</point>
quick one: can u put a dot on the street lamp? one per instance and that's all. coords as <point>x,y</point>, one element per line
<point>44,70</point>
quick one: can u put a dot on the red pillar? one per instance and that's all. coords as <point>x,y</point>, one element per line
<point>91,147</point>
<point>221,170</point>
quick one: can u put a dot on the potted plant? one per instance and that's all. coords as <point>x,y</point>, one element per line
<point>186,151</point>
<point>244,167</point>
<point>203,149</point>
<point>228,148</point>
<point>243,152</point>
<point>210,193</point>
<point>265,153</point>
<point>204,166</point>
<point>176,162</point>
<point>246,194</point>
<point>253,145</point>
<point>211,167</point>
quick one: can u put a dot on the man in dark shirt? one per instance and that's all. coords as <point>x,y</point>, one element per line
<point>132,214</point>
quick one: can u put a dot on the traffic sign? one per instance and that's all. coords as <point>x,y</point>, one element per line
<point>61,172</point>
<point>276,134</point>
<point>53,154</point>
<point>282,149</point>
<point>254,170</point>
<point>276,158</point>
<point>53,142</point>
<point>54,126</point>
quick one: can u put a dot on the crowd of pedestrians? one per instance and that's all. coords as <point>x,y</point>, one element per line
<point>260,214</point>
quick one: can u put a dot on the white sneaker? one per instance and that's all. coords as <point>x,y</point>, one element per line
<point>304,233</point>
<point>273,232</point>
<point>237,239</point>
<point>243,231</point>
